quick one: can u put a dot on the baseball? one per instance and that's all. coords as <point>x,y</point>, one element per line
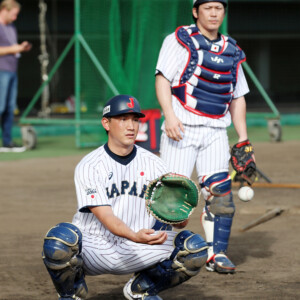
<point>245,193</point>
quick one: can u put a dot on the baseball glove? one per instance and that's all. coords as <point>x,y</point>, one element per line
<point>242,161</point>
<point>171,198</point>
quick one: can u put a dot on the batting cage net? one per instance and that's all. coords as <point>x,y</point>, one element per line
<point>116,46</point>
<point>125,36</point>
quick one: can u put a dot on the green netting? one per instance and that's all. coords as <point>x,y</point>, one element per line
<point>126,36</point>
<point>117,44</point>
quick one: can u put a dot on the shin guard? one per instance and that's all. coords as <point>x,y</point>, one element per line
<point>61,255</point>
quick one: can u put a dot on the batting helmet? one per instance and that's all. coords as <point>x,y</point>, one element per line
<point>122,104</point>
<point>198,2</point>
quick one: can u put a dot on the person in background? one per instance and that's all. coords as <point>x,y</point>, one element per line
<point>10,51</point>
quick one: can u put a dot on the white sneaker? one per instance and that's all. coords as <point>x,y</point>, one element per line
<point>12,147</point>
<point>133,296</point>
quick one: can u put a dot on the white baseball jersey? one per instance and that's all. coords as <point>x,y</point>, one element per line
<point>171,63</point>
<point>205,141</point>
<point>103,178</point>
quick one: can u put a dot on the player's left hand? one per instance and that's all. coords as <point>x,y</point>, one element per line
<point>147,236</point>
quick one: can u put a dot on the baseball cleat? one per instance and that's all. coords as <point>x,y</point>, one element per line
<point>220,263</point>
<point>134,296</point>
<point>70,298</point>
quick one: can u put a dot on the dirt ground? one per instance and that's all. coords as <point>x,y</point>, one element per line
<point>37,194</point>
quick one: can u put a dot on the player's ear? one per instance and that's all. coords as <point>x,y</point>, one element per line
<point>195,12</point>
<point>105,123</point>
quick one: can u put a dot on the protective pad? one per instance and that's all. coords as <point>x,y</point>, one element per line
<point>61,243</point>
<point>222,228</point>
<point>61,256</point>
<point>189,255</point>
<point>218,184</point>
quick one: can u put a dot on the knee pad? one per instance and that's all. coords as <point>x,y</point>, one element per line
<point>61,256</point>
<point>189,255</point>
<point>218,184</point>
<point>190,252</point>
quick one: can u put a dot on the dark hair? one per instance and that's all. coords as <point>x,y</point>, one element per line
<point>197,7</point>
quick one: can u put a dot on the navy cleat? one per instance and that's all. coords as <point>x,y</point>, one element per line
<point>220,263</point>
<point>130,295</point>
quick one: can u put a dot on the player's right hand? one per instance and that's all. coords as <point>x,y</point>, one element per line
<point>147,236</point>
<point>174,128</point>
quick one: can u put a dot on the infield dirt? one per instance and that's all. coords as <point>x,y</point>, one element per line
<point>39,193</point>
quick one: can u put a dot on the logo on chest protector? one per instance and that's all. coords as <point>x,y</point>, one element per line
<point>125,188</point>
<point>217,59</point>
<point>217,76</point>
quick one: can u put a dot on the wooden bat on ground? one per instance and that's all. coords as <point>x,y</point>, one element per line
<point>267,184</point>
<point>271,185</point>
<point>267,216</point>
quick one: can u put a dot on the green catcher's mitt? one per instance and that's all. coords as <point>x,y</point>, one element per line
<point>172,198</point>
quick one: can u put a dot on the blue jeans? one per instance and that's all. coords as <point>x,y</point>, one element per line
<point>8,99</point>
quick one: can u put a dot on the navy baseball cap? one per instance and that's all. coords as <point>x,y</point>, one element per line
<point>196,2</point>
<point>120,105</point>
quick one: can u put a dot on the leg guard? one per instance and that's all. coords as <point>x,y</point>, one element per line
<point>189,255</point>
<point>217,220</point>
<point>219,210</point>
<point>61,255</point>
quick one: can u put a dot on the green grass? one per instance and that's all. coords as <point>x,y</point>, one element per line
<point>54,146</point>
<point>51,146</point>
<point>261,134</point>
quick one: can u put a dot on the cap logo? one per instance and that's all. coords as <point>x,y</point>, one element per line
<point>106,110</point>
<point>131,104</point>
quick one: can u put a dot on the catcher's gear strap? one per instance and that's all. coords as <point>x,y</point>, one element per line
<point>61,256</point>
<point>218,184</point>
<point>189,255</point>
<point>222,206</point>
<point>171,198</point>
<point>242,161</point>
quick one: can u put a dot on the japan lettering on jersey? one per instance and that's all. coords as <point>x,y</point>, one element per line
<point>102,179</point>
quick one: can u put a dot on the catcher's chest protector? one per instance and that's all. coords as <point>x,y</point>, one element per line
<point>209,78</point>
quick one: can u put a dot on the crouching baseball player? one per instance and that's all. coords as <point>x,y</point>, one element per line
<point>112,232</point>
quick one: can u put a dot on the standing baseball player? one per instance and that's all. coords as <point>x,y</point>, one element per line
<point>200,86</point>
<point>112,233</point>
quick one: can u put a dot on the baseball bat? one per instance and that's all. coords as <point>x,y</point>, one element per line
<point>271,185</point>
<point>267,216</point>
